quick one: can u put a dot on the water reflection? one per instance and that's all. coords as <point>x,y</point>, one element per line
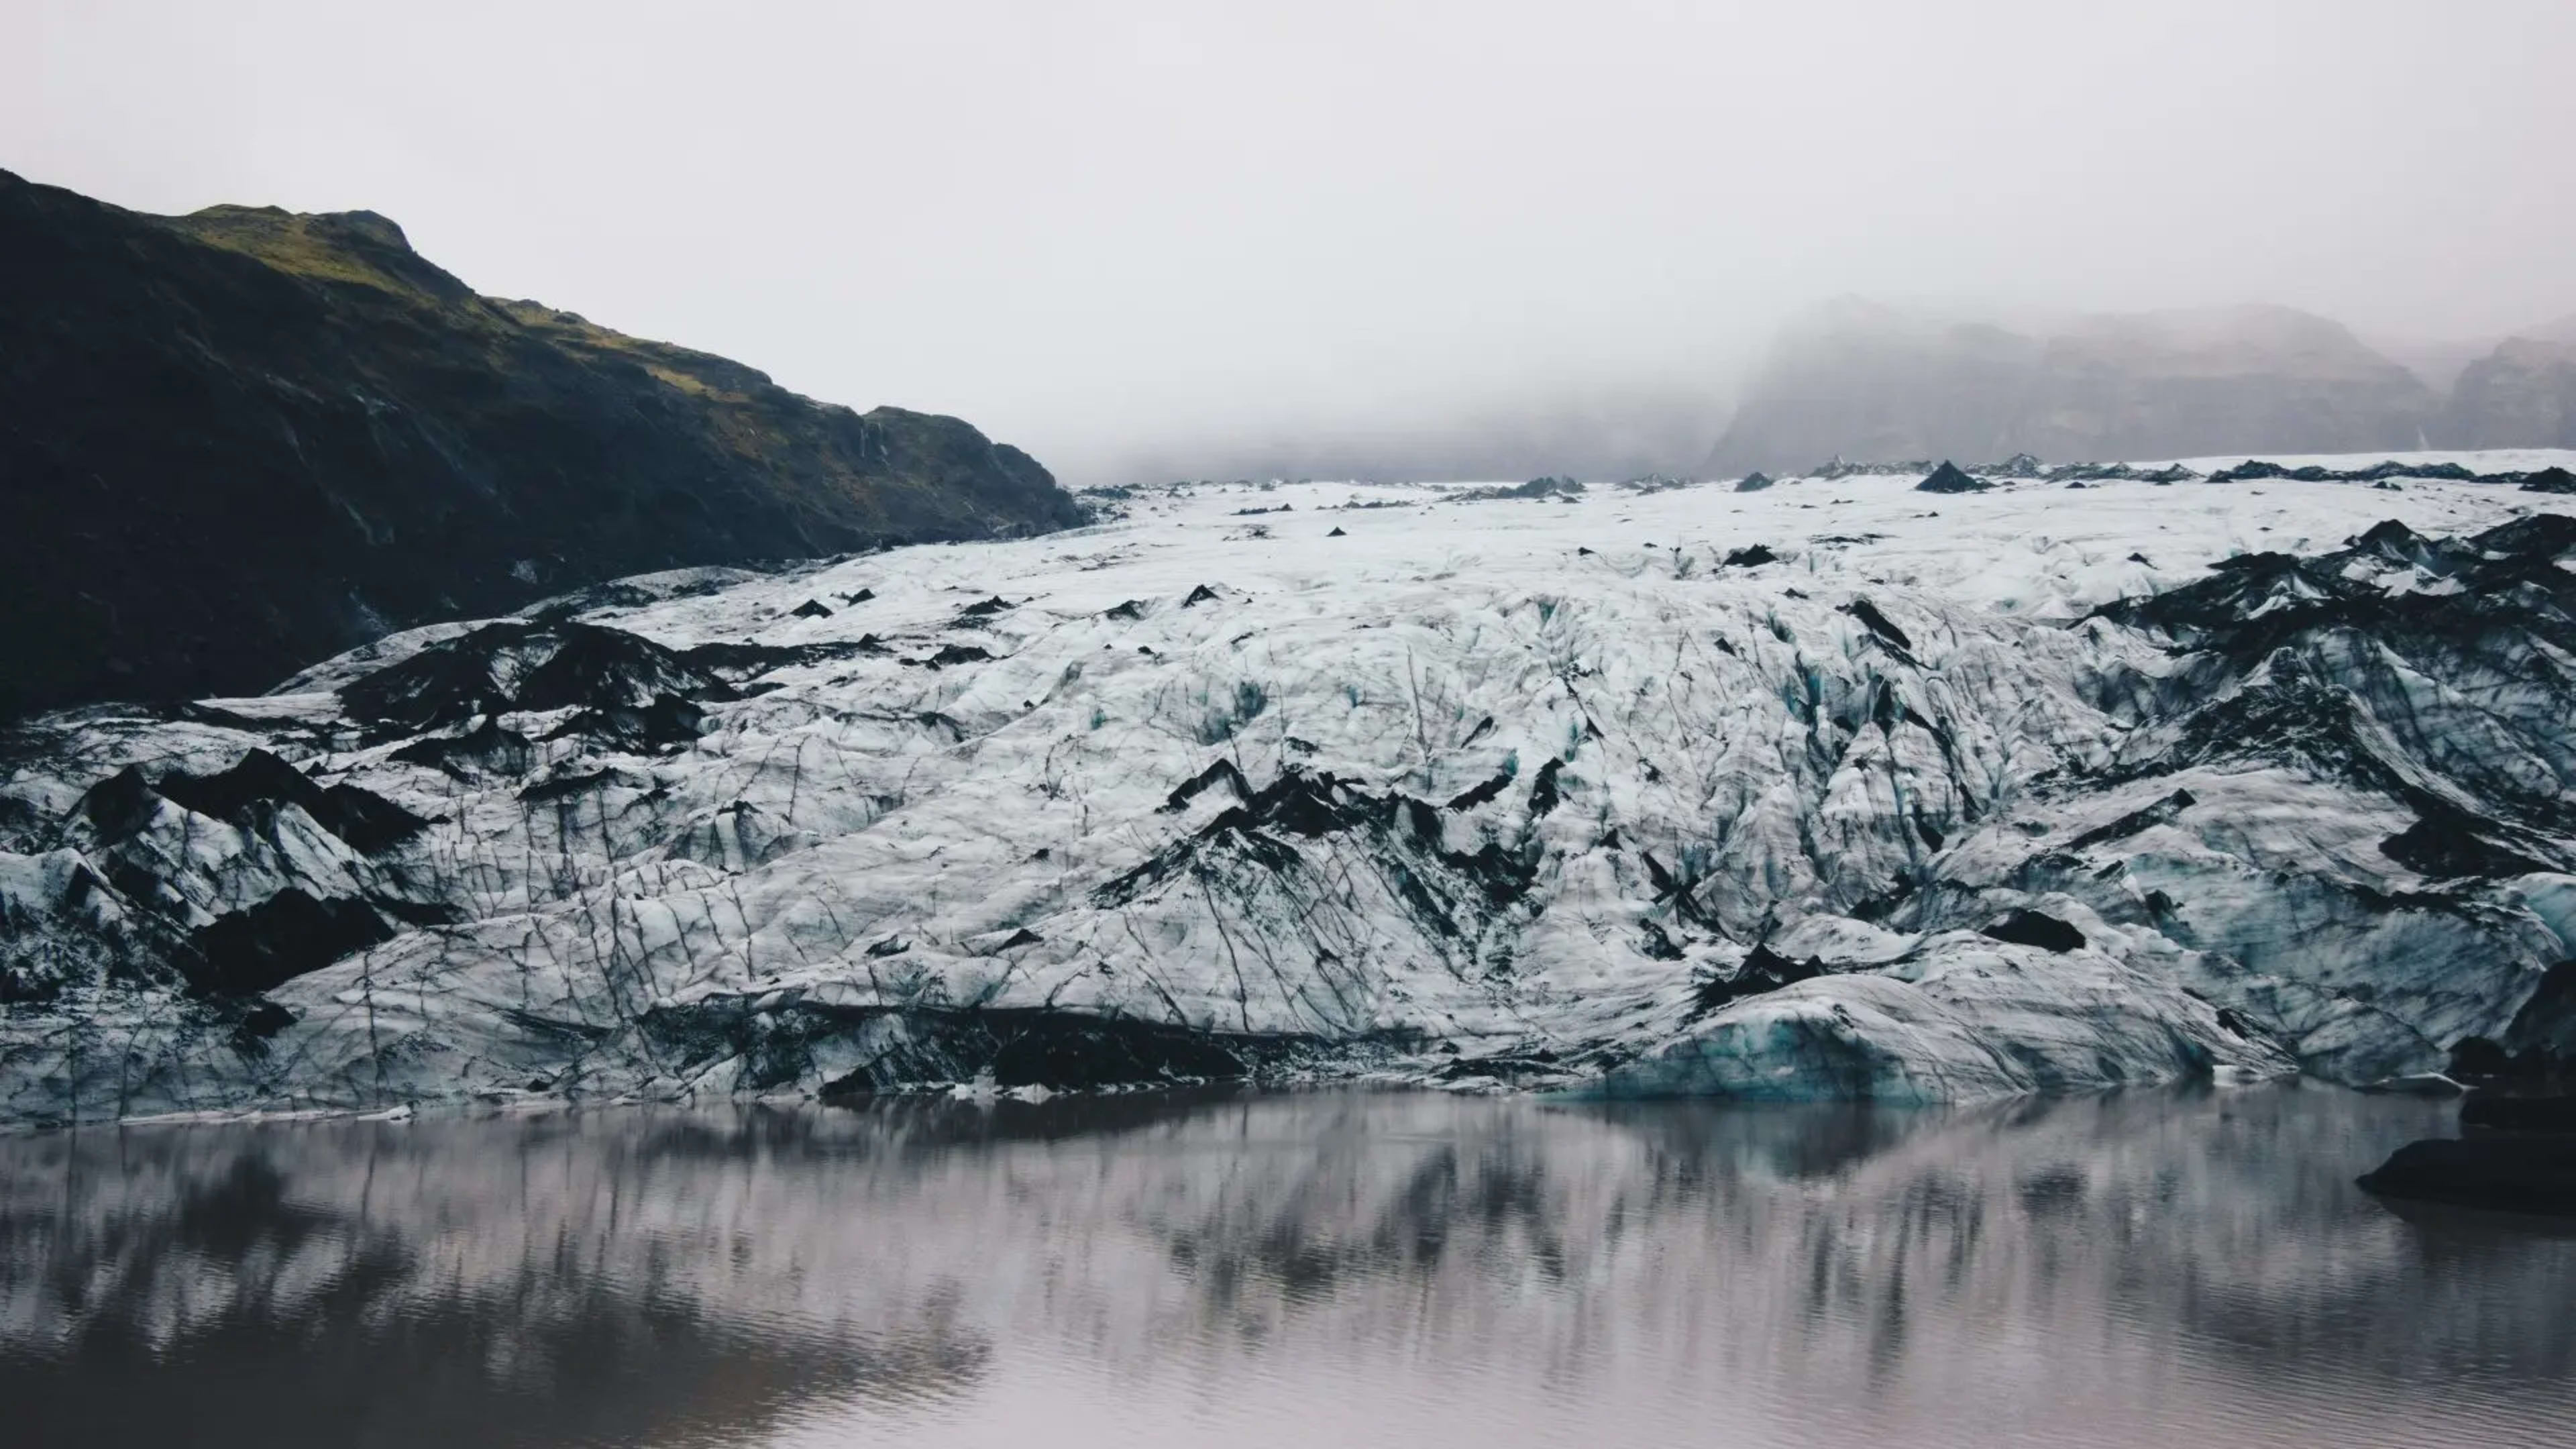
<point>1276,1269</point>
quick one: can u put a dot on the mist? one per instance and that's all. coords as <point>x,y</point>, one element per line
<point>1155,241</point>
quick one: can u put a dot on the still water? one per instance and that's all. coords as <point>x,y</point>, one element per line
<point>2188,1268</point>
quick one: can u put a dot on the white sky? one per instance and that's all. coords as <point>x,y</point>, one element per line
<point>1145,237</point>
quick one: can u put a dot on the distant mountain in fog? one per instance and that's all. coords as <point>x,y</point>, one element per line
<point>1861,380</point>
<point>1602,433</point>
<point>2437,362</point>
<point>1869,382</point>
<point>2521,395</point>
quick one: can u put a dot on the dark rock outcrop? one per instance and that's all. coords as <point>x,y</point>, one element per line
<point>250,950</point>
<point>235,442</point>
<point>2519,1114</point>
<point>2517,1149</point>
<point>1948,479</point>
<point>1550,486</point>
<point>1764,971</point>
<point>248,796</point>
<point>2546,1024</point>
<point>2530,1174</point>
<point>2035,928</point>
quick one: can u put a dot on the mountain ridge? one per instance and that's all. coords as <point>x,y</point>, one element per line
<point>1862,380</point>
<point>2521,394</point>
<point>245,438</point>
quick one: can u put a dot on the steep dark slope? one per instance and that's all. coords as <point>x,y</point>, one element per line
<point>237,441</point>
<point>2522,395</point>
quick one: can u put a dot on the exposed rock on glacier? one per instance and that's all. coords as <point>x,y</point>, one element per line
<point>2035,928</point>
<point>1948,479</point>
<point>1680,790</point>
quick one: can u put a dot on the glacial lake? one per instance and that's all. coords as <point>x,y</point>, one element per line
<point>2167,1268</point>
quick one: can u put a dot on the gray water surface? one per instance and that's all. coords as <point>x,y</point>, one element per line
<point>2166,1268</point>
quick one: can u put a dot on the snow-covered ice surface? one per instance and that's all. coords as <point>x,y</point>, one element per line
<point>1834,789</point>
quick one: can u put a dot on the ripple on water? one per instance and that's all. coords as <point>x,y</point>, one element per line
<point>2138,1269</point>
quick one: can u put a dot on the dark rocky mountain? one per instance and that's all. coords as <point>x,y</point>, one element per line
<point>2521,395</point>
<point>1858,380</point>
<point>237,441</point>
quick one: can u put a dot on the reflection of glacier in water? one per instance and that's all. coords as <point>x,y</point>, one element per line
<point>2148,1268</point>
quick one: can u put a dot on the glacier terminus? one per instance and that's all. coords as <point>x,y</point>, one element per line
<point>1833,788</point>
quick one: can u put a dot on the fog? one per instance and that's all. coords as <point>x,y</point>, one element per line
<point>1485,238</point>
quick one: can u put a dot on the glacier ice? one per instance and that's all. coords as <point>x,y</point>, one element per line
<point>1621,790</point>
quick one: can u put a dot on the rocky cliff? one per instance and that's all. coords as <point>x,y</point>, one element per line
<point>237,441</point>
<point>1861,381</point>
<point>2521,395</point>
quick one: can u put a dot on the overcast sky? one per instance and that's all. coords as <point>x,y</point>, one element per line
<point>1153,237</point>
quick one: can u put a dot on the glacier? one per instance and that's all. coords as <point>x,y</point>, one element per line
<point>1830,789</point>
